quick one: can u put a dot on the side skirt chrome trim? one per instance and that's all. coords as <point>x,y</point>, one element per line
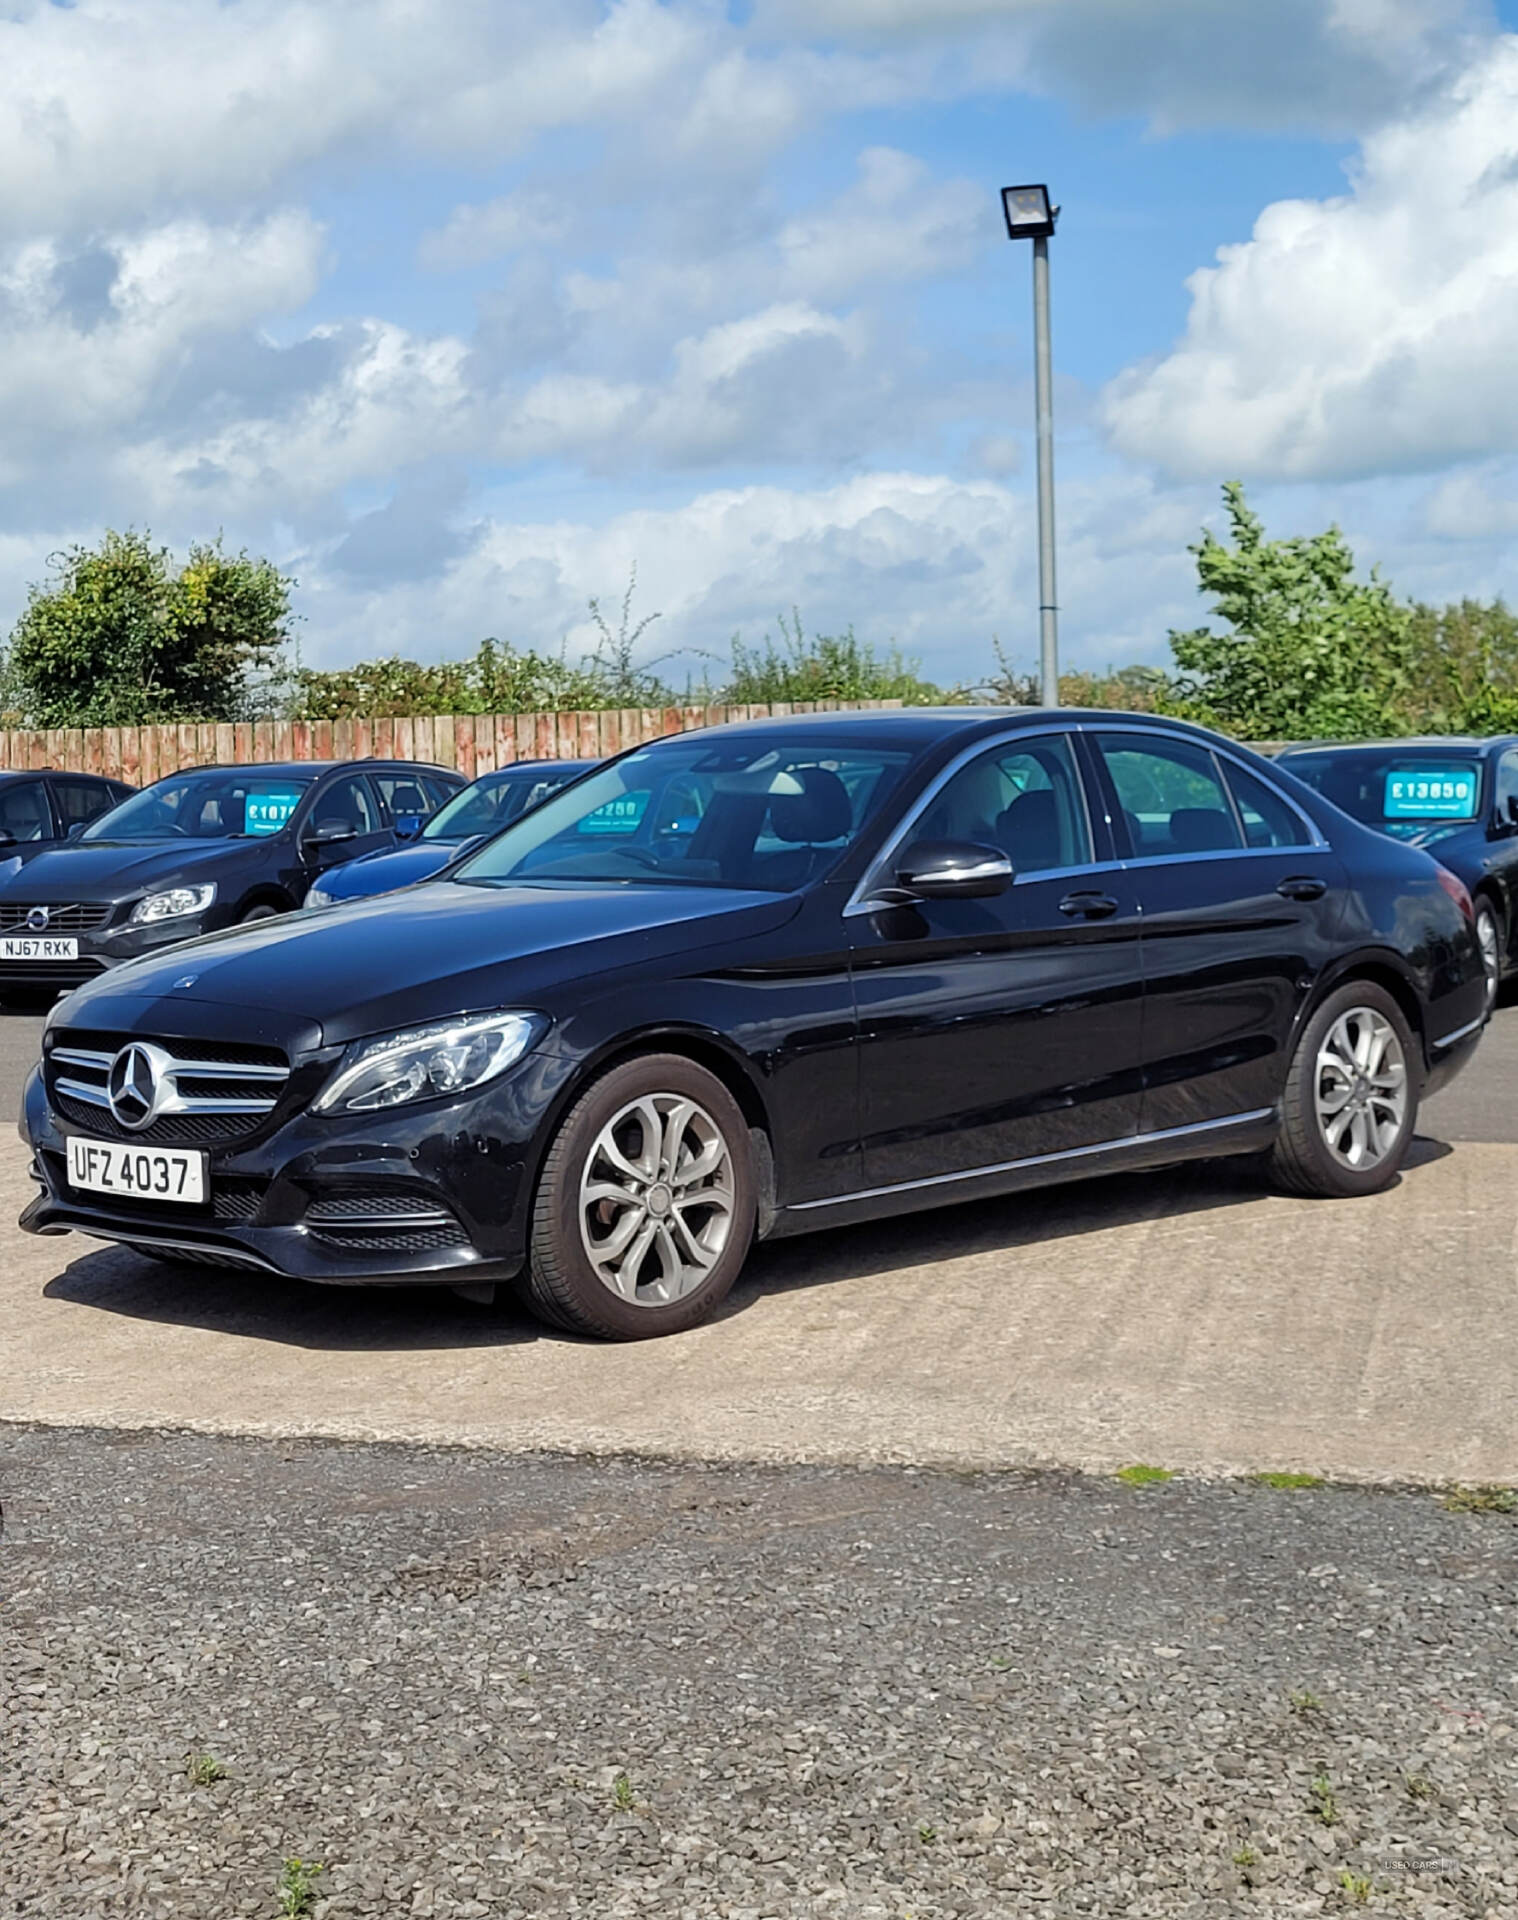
<point>1125,1142</point>
<point>1460,1032</point>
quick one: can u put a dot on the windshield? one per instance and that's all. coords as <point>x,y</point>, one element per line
<point>761,813</point>
<point>203,806</point>
<point>495,800</point>
<point>1401,793</point>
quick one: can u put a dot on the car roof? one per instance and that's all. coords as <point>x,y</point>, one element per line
<point>65,773</point>
<point>923,726</point>
<point>1423,742</point>
<point>287,768</point>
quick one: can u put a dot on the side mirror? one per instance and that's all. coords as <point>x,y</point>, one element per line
<point>330,833</point>
<point>953,870</point>
<point>1509,817</point>
<point>407,826</point>
<point>77,828</point>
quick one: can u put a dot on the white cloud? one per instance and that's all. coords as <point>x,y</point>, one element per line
<point>1338,64</point>
<point>476,233</point>
<point>898,223</point>
<point>940,565</point>
<point>1369,332</point>
<point>86,338</point>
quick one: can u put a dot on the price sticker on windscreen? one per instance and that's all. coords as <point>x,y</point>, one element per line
<point>1430,793</point>
<point>267,809</point>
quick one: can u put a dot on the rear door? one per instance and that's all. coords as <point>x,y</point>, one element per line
<point>1001,1029</point>
<point>1241,898</point>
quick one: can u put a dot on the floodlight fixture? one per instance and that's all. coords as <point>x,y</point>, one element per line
<point>1029,212</point>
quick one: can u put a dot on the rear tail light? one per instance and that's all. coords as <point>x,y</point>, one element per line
<point>1456,888</point>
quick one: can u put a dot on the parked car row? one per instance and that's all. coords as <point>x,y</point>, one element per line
<point>740,983</point>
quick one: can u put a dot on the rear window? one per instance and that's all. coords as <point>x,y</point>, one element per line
<point>1399,792</point>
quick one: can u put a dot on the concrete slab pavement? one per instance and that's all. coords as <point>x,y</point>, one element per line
<point>1187,1318</point>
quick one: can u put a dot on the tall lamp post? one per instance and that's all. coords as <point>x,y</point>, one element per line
<point>1030,216</point>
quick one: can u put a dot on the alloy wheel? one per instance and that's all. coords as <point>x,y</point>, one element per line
<point>657,1199</point>
<point>1361,1084</point>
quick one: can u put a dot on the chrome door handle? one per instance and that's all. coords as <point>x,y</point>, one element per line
<point>1302,886</point>
<point>1088,906</point>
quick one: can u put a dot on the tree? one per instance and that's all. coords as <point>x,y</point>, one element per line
<point>1309,651</point>
<point>824,667</point>
<point>120,637</point>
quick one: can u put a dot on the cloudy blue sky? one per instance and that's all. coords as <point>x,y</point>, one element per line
<point>459,311</point>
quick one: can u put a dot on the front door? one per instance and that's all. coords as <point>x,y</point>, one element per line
<point>1240,898</point>
<point>1008,1028</point>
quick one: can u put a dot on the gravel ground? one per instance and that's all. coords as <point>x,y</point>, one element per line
<point>472,1684</point>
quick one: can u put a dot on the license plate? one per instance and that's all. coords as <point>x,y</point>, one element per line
<point>137,1173</point>
<point>37,946</point>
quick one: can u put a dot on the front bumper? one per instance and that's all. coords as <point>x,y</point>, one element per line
<point>439,1192</point>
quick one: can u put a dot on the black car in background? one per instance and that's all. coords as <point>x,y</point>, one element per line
<point>480,809</point>
<point>765,978</point>
<point>205,848</point>
<point>1456,796</point>
<point>41,809</point>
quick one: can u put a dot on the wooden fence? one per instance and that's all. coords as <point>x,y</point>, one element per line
<point>473,743</point>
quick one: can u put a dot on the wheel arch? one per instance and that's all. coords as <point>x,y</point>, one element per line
<point>1381,968</point>
<point>263,893</point>
<point>707,1049</point>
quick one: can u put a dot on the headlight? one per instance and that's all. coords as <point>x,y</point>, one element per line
<point>316,898</point>
<point>172,905</point>
<point>451,1057</point>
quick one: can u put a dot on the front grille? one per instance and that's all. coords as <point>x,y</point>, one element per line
<point>376,1207</point>
<point>65,919</point>
<point>207,1094</point>
<point>383,1219</point>
<point>414,1240</point>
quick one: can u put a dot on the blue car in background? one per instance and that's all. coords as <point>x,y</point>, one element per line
<point>481,809</point>
<point>1456,797</point>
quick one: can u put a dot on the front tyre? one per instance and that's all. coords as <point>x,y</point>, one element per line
<point>645,1208</point>
<point>1489,934</point>
<point>1351,1097</point>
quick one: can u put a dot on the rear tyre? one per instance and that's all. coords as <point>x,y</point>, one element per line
<point>1489,933</point>
<point>645,1208</point>
<point>1350,1102</point>
<point>264,912</point>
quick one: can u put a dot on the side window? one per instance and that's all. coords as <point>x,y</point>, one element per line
<point>81,800</point>
<point>24,812</point>
<point>1170,794</point>
<point>1026,800</point>
<point>402,792</point>
<point>1268,820</point>
<point>1507,788</point>
<point>345,803</point>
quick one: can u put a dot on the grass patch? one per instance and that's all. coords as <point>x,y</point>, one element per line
<point>297,1888</point>
<point>1418,1786</point>
<point>1139,1475</point>
<point>1481,1500</point>
<point>1320,1795</point>
<point>622,1793</point>
<point>926,1834</point>
<point>204,1770</point>
<point>1287,1482</point>
<point>1304,1700</point>
<point>1245,1857</point>
<point>1356,1887</point>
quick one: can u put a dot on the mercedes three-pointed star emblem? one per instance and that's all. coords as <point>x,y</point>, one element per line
<point>135,1085</point>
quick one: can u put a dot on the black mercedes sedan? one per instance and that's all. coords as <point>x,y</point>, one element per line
<point>765,978</point>
<point>198,850</point>
<point>1454,795</point>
